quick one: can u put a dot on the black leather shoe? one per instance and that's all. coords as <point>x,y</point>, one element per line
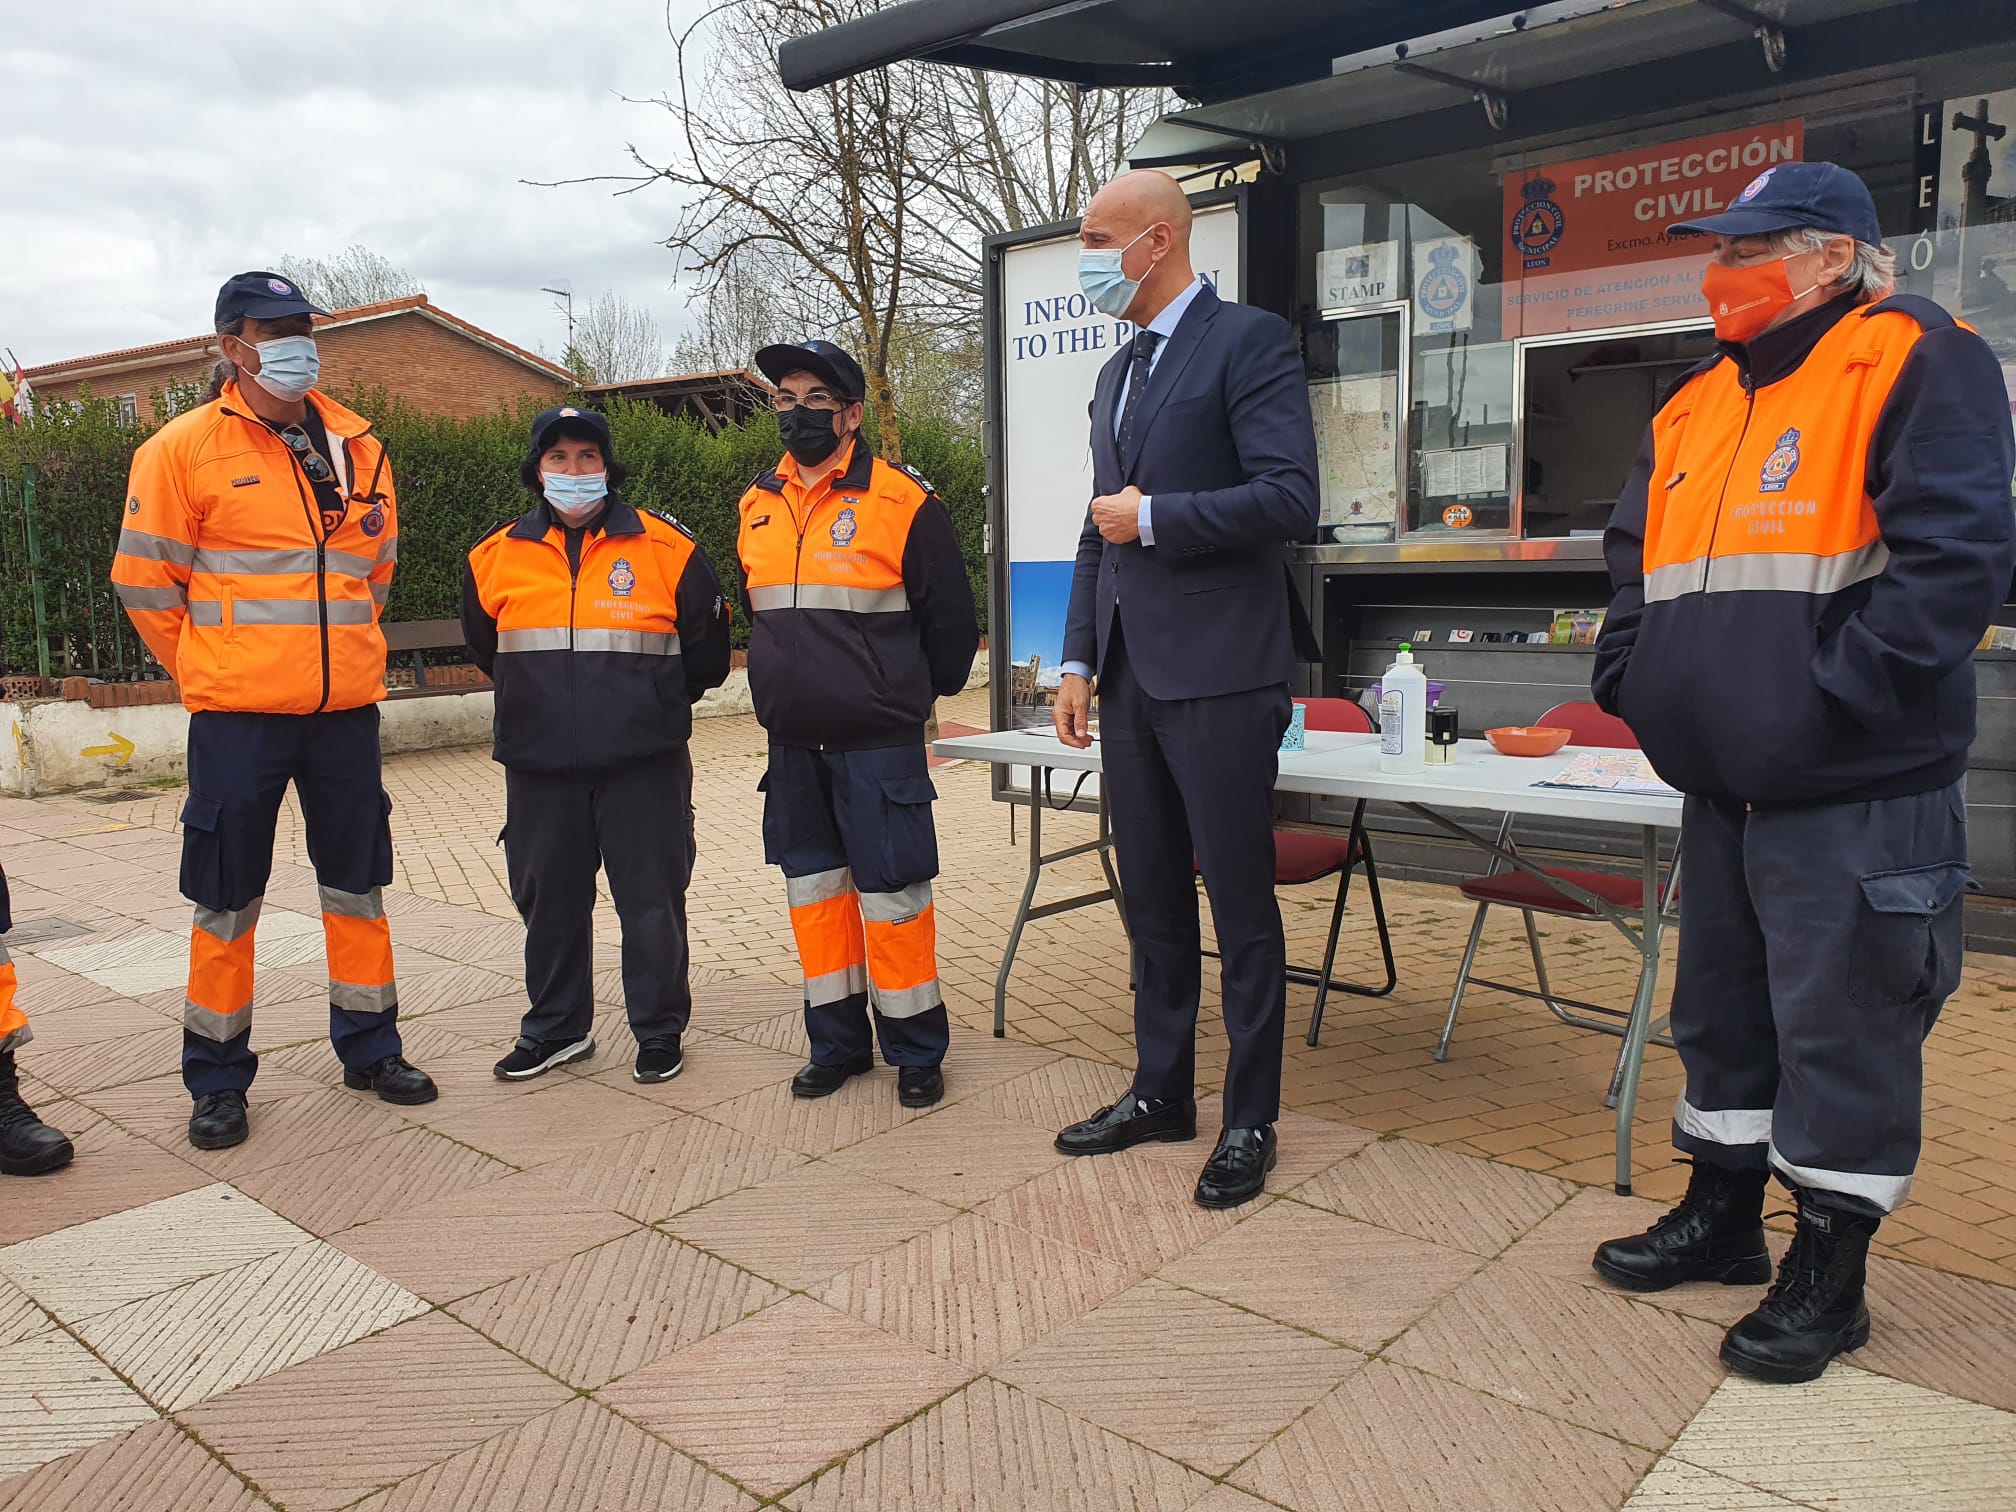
<point>1126,1124</point>
<point>1814,1310</point>
<point>919,1086</point>
<point>394,1081</point>
<point>1715,1234</point>
<point>823,1081</point>
<point>28,1146</point>
<point>1237,1170</point>
<point>218,1121</point>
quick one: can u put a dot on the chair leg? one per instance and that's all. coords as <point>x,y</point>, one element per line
<point>1329,954</point>
<point>1379,920</point>
<point>1462,981</point>
<point>1540,965</point>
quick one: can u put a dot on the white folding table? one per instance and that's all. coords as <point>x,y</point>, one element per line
<point>1336,765</point>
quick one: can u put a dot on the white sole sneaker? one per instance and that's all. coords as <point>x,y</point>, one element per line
<point>580,1050</point>
<point>651,1081</point>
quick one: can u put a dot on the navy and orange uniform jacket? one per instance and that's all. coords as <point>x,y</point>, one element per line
<point>860,611</point>
<point>1816,534</point>
<point>596,666</point>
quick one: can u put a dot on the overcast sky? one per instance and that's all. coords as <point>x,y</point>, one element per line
<point>150,150</point>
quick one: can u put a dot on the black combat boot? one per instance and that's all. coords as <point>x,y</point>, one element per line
<point>1814,1310</point>
<point>28,1146</point>
<point>1715,1234</point>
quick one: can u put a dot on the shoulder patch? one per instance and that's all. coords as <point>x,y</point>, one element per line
<point>916,477</point>
<point>666,519</point>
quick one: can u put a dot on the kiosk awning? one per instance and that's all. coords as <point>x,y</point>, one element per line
<point>1201,49</point>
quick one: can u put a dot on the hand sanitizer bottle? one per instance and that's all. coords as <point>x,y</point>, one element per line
<point>1403,715</point>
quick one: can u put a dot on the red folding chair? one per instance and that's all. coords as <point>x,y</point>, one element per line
<point>1300,859</point>
<point>1531,895</point>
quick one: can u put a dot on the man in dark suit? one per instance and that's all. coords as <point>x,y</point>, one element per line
<point>1204,466</point>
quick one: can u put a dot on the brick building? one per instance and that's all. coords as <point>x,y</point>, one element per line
<point>440,364</point>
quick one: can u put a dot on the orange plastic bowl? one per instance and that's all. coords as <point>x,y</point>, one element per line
<point>1528,740</point>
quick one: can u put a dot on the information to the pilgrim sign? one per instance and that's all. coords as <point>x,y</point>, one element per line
<point>1052,346</point>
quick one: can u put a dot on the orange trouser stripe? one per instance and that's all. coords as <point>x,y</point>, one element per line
<point>903,963</point>
<point>360,950</point>
<point>829,935</point>
<point>13,1022</point>
<point>219,1005</point>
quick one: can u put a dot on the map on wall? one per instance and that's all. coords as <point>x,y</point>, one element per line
<point>1355,439</point>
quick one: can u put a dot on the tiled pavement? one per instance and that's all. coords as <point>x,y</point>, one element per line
<point>583,1294</point>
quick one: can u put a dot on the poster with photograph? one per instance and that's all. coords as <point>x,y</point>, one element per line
<point>1967,171</point>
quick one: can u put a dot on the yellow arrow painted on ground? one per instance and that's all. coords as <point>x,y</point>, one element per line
<point>120,747</point>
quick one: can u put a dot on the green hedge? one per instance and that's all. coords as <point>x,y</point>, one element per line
<point>456,479</point>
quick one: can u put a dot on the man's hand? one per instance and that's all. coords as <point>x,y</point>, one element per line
<point>1072,713</point>
<point>1118,516</point>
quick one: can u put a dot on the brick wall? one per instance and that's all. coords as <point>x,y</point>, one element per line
<point>139,382</point>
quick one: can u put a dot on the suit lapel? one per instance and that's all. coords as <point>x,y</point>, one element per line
<point>1105,449</point>
<point>1169,367</point>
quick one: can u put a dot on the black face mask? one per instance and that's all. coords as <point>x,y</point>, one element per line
<point>808,434</point>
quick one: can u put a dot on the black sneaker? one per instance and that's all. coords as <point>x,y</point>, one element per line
<point>531,1057</point>
<point>218,1121</point>
<point>659,1059</point>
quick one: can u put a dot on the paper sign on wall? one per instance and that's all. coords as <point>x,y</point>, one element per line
<point>1367,273</point>
<point>1445,283</point>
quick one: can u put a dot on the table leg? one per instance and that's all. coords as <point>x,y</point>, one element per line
<point>1038,778</point>
<point>1639,1027</point>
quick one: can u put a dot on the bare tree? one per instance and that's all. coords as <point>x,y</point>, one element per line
<point>615,341</point>
<point>355,276</point>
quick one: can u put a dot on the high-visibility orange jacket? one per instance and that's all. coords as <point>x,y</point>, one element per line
<point>1816,534</point>
<point>599,639</point>
<point>860,611</point>
<point>228,576</point>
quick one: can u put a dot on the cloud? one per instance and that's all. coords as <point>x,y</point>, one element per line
<point>155,150</point>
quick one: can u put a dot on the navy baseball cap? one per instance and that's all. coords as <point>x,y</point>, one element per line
<point>1825,196</point>
<point>558,422</point>
<point>262,296</point>
<point>840,372</point>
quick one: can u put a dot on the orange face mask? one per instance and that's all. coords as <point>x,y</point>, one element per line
<point>1745,300</point>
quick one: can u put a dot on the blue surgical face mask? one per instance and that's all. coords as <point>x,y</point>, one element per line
<point>575,496</point>
<point>288,366</point>
<point>1105,281</point>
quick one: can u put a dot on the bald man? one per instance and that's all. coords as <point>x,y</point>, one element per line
<point>1204,469</point>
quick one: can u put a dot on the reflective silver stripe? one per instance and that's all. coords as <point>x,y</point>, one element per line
<point>1887,1192</point>
<point>835,986</point>
<point>150,598</point>
<point>831,596</point>
<point>771,598</point>
<point>355,999</point>
<point>380,592</point>
<point>228,924</point>
<point>893,907</point>
<point>256,563</point>
<point>904,1002</point>
<point>350,564</point>
<point>17,1039</point>
<point>1726,1126</point>
<point>215,1026</point>
<point>636,642</point>
<point>552,638</point>
<point>351,905</point>
<point>1768,572</point>
<point>388,550</point>
<point>818,888</point>
<point>5,958</point>
<point>155,548</point>
<point>282,612</point>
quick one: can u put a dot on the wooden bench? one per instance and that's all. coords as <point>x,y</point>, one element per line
<point>416,636</point>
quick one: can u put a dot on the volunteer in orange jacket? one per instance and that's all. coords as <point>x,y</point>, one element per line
<point>1815,536</point>
<point>860,612</point>
<point>601,624</point>
<point>28,1146</point>
<point>259,540</point>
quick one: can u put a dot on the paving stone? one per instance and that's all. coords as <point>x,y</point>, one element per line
<point>339,1189</point>
<point>113,1171</point>
<point>581,1458</point>
<point>154,1468</point>
<point>1434,1195</point>
<point>483,944</point>
<point>863,1108</point>
<point>738,1001</point>
<point>104,1018</point>
<point>463,1243</point>
<point>94,1267</point>
<point>718,1071</point>
<point>1137,1213</point>
<point>1400,1441</point>
<point>773,1399</point>
<point>1948,1333</point>
<point>111,1063</point>
<point>603,1313</point>
<point>323,1433</point>
<point>1307,1145</point>
<point>802,1227</point>
<point>128,962</point>
<point>20,1318</point>
<point>666,1169</point>
<point>1228,1498</point>
<point>1183,1374</point>
<point>295,1128</point>
<point>990,1448</point>
<point>962,1155</point>
<point>1674,1486</point>
<point>56,1398</point>
<point>431,992</point>
<point>974,1290</point>
<point>784,1032</point>
<point>561,1116</point>
<point>1856,1440</point>
<point>158,1108</point>
<point>1348,1281</point>
<point>1592,1358</point>
<point>1058,1095</point>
